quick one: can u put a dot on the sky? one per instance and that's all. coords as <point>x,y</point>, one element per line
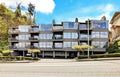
<point>67,10</point>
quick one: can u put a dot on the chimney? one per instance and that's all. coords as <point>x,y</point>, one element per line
<point>53,22</point>
<point>103,18</point>
<point>76,19</point>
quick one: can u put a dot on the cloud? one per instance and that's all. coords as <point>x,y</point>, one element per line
<point>43,6</point>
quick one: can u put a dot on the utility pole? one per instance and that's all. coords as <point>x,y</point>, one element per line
<point>88,53</point>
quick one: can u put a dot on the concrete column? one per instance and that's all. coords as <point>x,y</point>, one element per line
<point>53,54</point>
<point>23,53</point>
<point>92,52</point>
<point>43,54</point>
<point>65,54</point>
<point>78,54</point>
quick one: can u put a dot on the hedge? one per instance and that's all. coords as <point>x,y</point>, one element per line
<point>16,58</point>
<point>100,56</point>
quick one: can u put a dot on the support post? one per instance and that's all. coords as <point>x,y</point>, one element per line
<point>65,54</point>
<point>53,54</point>
<point>78,54</point>
<point>23,53</point>
<point>43,54</point>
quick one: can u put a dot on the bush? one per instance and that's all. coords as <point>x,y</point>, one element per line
<point>100,56</point>
<point>16,58</point>
<point>82,57</point>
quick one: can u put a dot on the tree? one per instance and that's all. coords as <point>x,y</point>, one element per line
<point>114,47</point>
<point>33,51</point>
<point>8,19</point>
<point>31,10</point>
<point>18,11</point>
<point>81,48</point>
<point>9,52</point>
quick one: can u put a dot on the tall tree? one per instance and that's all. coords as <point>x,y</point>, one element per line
<point>18,11</point>
<point>31,10</point>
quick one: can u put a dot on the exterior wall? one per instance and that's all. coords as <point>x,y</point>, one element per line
<point>58,39</point>
<point>115,29</point>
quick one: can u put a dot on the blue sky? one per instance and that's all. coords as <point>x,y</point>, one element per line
<point>68,10</point>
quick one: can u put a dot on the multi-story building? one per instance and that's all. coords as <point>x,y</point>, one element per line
<point>56,40</point>
<point>115,27</point>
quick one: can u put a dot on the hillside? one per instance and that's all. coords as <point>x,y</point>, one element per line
<point>8,19</point>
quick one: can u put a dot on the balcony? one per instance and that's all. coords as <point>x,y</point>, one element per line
<point>85,38</point>
<point>13,47</point>
<point>34,47</point>
<point>13,31</point>
<point>34,30</point>
<point>33,39</point>
<point>57,28</point>
<point>13,40</point>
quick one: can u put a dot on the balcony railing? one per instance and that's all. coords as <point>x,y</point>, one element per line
<point>34,31</point>
<point>13,40</point>
<point>34,47</point>
<point>57,37</point>
<point>13,47</point>
<point>12,31</point>
<point>57,28</point>
<point>33,38</point>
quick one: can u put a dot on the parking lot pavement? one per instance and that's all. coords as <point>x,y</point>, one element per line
<point>61,68</point>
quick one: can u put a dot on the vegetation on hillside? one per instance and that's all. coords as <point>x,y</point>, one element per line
<point>9,18</point>
<point>113,48</point>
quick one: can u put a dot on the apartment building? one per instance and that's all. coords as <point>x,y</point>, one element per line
<point>115,27</point>
<point>56,40</point>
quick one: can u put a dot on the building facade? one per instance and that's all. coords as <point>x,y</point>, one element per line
<point>56,40</point>
<point>115,27</point>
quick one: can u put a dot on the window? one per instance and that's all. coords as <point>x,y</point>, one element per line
<point>23,44</point>
<point>99,44</point>
<point>95,44</point>
<point>103,34</point>
<point>49,36</point>
<point>70,25</point>
<point>58,36</point>
<point>23,37</point>
<point>45,27</point>
<point>24,28</point>
<point>58,45</point>
<point>67,44</point>
<point>83,36</point>
<point>99,34</point>
<point>74,43</point>
<point>69,35</point>
<point>42,44</point>
<point>83,26</point>
<point>49,44</point>
<point>74,35</point>
<point>103,44</point>
<point>45,36</point>
<point>95,35</point>
<point>100,24</point>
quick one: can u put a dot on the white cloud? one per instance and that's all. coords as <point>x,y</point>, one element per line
<point>44,6</point>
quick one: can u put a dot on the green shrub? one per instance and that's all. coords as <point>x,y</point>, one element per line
<point>16,58</point>
<point>100,56</point>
